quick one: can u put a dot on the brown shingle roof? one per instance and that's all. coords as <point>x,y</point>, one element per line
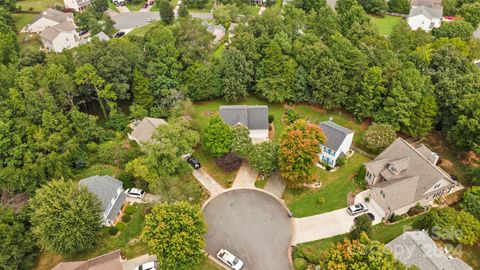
<point>144,130</point>
<point>54,15</point>
<point>109,261</point>
<point>51,32</point>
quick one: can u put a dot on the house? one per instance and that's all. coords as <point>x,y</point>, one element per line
<point>339,141</point>
<point>109,192</point>
<point>142,131</point>
<point>101,37</point>
<point>255,118</point>
<point>425,14</point>
<point>76,5</point>
<point>403,176</point>
<point>109,261</point>
<point>47,18</point>
<point>417,248</point>
<point>217,30</point>
<point>60,37</point>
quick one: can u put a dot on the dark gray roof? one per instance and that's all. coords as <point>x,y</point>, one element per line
<point>104,187</point>
<point>252,117</point>
<point>117,206</point>
<point>334,133</point>
<point>417,248</point>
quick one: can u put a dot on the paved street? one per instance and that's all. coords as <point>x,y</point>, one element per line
<point>207,181</point>
<point>252,225</point>
<point>131,20</point>
<point>246,177</point>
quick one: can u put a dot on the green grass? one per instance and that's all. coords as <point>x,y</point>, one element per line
<point>141,31</point>
<point>22,19</point>
<point>112,6</point>
<point>208,164</point>
<point>386,24</point>
<point>206,9</point>
<point>96,169</point>
<point>135,6</point>
<point>29,41</point>
<point>39,5</point>
<point>219,50</point>
<point>261,183</point>
<point>335,188</point>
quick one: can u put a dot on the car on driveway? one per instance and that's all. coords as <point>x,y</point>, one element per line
<point>147,266</point>
<point>357,209</point>
<point>135,193</point>
<point>369,215</point>
<point>194,162</point>
<point>119,34</point>
<point>229,259</point>
<point>151,19</point>
<point>145,5</point>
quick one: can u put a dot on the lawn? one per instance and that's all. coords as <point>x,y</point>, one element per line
<point>126,240</point>
<point>29,41</point>
<point>386,24</point>
<point>96,169</point>
<point>333,193</point>
<point>22,19</point>
<point>206,9</point>
<point>142,30</point>
<point>39,5</point>
<point>135,6</point>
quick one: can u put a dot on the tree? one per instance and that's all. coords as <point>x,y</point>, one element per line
<point>310,5</point>
<point>377,7</point>
<point>202,81</point>
<point>99,5</point>
<point>17,244</point>
<point>217,137</point>
<point>453,29</point>
<point>166,12</point>
<point>368,98</point>
<point>242,143</point>
<point>378,136</point>
<point>264,158</point>
<point>362,224</point>
<point>192,40</point>
<point>221,14</point>
<point>65,217</point>
<point>229,162</point>
<point>465,133</point>
<point>360,254</point>
<point>299,149</point>
<point>471,13</point>
<point>196,3</point>
<point>471,201</point>
<point>236,74</point>
<point>174,233</point>
<point>450,224</point>
<point>399,6</point>
<point>183,10</point>
<point>140,89</point>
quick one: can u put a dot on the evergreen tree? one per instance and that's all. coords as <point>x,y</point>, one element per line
<point>183,10</point>
<point>166,12</point>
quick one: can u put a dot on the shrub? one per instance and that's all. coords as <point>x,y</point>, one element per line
<point>112,230</point>
<point>394,218</point>
<point>321,200</point>
<point>120,226</point>
<point>360,178</point>
<point>126,218</point>
<point>292,116</point>
<point>127,179</point>
<point>300,264</point>
<point>362,224</point>
<point>367,199</point>
<point>340,161</point>
<point>378,136</point>
<point>130,210</point>
<point>92,147</point>
<point>229,162</point>
<point>327,167</point>
<point>310,254</point>
<point>417,209</point>
<point>271,117</point>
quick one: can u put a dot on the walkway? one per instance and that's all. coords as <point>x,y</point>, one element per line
<point>208,182</point>
<point>245,178</point>
<point>276,185</point>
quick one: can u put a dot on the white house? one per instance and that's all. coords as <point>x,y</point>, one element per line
<point>47,18</point>
<point>60,37</point>
<point>142,131</point>
<point>255,118</point>
<point>425,17</point>
<point>339,141</point>
<point>76,5</point>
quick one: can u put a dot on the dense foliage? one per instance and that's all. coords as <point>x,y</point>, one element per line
<point>174,233</point>
<point>362,224</point>
<point>378,136</point>
<point>264,157</point>
<point>217,137</point>
<point>471,201</point>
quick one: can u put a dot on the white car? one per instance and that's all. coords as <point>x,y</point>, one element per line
<point>151,19</point>
<point>357,209</point>
<point>229,259</point>
<point>147,266</point>
<point>135,193</point>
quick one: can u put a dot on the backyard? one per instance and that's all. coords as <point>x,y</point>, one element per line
<point>386,23</point>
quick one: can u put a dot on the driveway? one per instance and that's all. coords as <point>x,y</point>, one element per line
<point>149,198</point>
<point>246,177</point>
<point>208,182</point>
<point>132,20</point>
<point>131,264</point>
<point>251,224</point>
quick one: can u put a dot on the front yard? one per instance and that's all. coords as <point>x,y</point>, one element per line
<point>386,23</point>
<point>333,193</point>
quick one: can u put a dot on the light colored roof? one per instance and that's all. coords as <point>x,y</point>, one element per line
<point>102,36</point>
<point>144,130</point>
<point>109,261</point>
<point>334,133</point>
<point>417,248</point>
<point>54,15</point>
<point>427,153</point>
<point>428,12</point>
<point>51,32</point>
<point>426,3</point>
<point>252,117</point>
<point>104,187</point>
<point>409,163</point>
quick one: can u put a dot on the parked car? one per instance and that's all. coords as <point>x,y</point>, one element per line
<point>119,34</point>
<point>151,3</point>
<point>369,215</point>
<point>145,5</point>
<point>82,32</point>
<point>151,19</point>
<point>229,259</point>
<point>194,162</point>
<point>135,193</point>
<point>357,209</point>
<point>147,266</point>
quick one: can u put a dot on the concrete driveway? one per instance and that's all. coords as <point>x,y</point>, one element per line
<point>251,224</point>
<point>131,264</point>
<point>132,20</point>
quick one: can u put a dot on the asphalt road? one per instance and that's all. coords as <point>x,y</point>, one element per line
<point>130,20</point>
<point>252,225</point>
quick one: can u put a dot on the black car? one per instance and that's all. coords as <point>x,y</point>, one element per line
<point>119,34</point>
<point>369,215</point>
<point>194,162</point>
<point>83,32</point>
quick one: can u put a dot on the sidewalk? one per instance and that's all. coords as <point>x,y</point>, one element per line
<point>208,182</point>
<point>245,178</point>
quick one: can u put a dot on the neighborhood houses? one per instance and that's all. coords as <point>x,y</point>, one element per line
<point>244,135</point>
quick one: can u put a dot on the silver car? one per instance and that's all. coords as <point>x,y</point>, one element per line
<point>357,209</point>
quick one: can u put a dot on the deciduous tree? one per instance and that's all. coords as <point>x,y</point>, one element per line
<point>471,201</point>
<point>362,224</point>
<point>453,29</point>
<point>166,12</point>
<point>242,143</point>
<point>236,74</point>
<point>264,158</point>
<point>217,137</point>
<point>378,136</point>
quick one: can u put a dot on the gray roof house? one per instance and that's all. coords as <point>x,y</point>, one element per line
<point>48,17</point>
<point>109,192</point>
<point>109,261</point>
<point>338,142</point>
<point>403,175</point>
<point>142,131</point>
<point>417,248</point>
<point>253,117</point>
